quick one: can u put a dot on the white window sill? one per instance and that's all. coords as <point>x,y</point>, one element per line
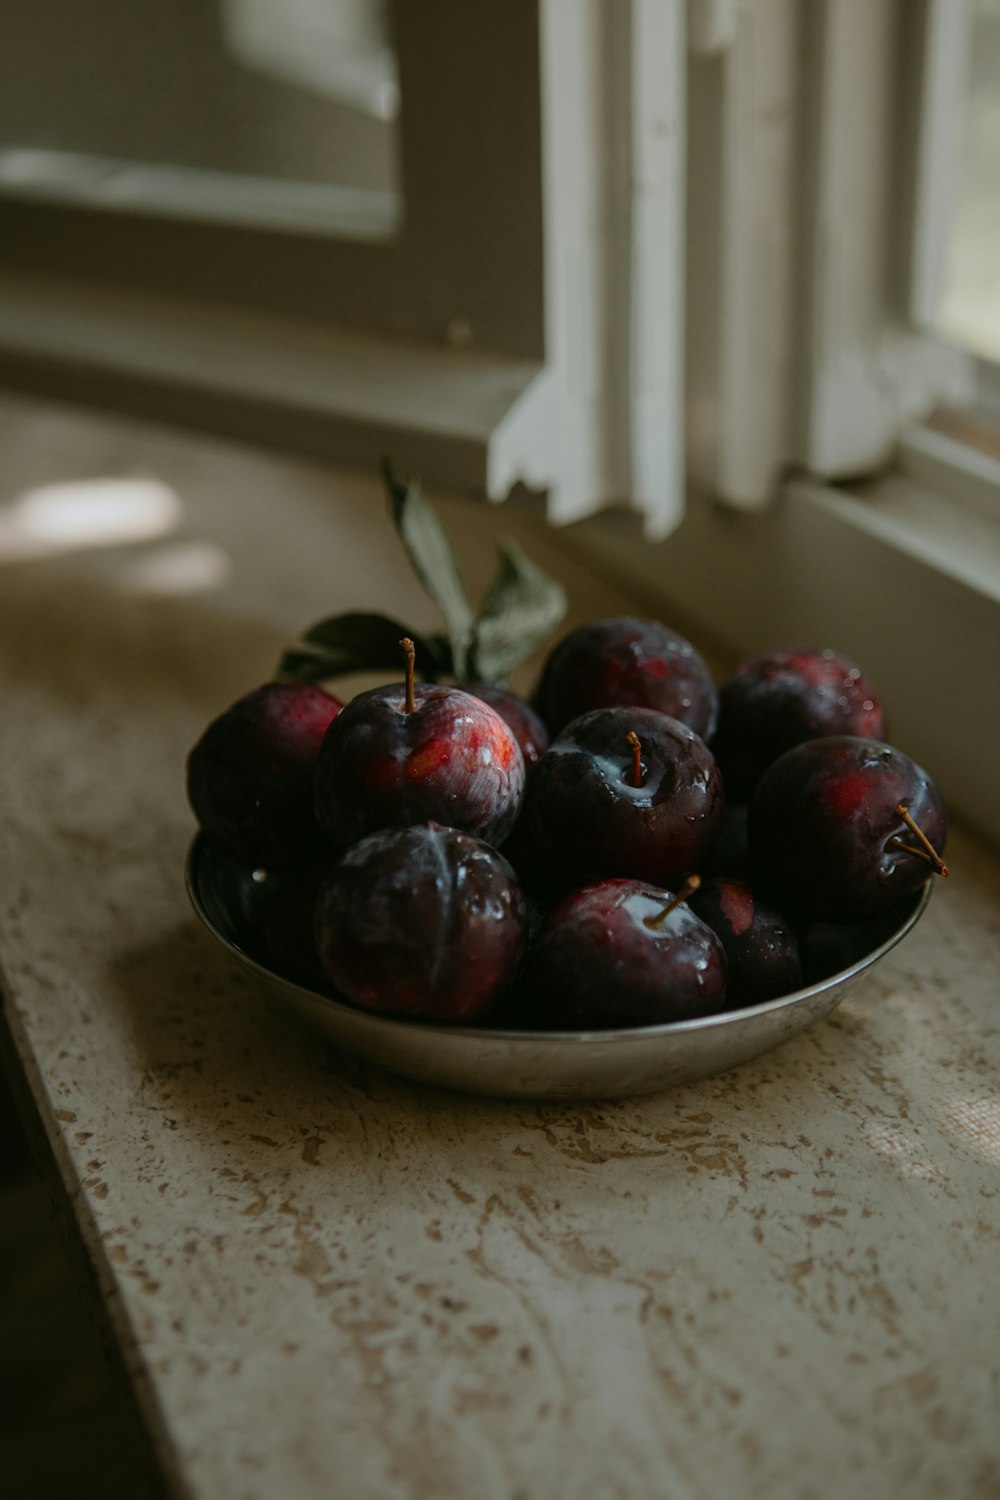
<point>928,526</point>
<point>72,179</point>
<point>466,419</point>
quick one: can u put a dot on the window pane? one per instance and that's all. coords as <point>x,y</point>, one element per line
<point>970,310</point>
<point>268,111</point>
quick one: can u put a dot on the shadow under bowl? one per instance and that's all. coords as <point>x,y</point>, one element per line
<point>541,1065</point>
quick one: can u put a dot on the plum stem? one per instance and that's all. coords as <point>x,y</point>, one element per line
<point>897,843</point>
<point>687,889</point>
<point>410,653</point>
<point>936,864</point>
<point>928,850</point>
<point>634,744</point>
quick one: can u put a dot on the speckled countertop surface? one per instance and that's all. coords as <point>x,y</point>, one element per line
<point>326,1280</point>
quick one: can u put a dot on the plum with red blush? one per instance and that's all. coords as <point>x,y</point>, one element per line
<point>598,807</point>
<point>519,716</point>
<point>423,921</point>
<point>250,777</point>
<point>842,829</point>
<point>410,753</point>
<point>626,662</point>
<point>781,698</point>
<point>762,948</point>
<point>623,953</point>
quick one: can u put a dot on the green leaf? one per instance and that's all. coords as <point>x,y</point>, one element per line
<point>303,666</point>
<point>524,605</point>
<point>348,643</point>
<point>433,561</point>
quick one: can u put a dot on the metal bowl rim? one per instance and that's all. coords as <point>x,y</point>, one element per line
<point>392,1024</point>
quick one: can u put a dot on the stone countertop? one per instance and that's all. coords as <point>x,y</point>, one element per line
<point>326,1279</point>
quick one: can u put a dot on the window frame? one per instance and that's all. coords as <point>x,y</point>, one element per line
<point>814,252</point>
<point>553,336</point>
<point>469,123</point>
<point>587,98</point>
<point>780,542</point>
<point>586,404</point>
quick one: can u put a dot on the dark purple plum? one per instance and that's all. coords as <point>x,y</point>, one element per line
<point>587,820</point>
<point>781,698</point>
<point>516,1010</point>
<point>829,948</point>
<point>831,828</point>
<point>629,663</point>
<point>730,854</point>
<point>623,953</point>
<point>762,949</point>
<point>250,776</point>
<point>267,913</point>
<point>286,920</point>
<point>519,716</point>
<point>406,754</point>
<point>423,921</point>
<point>538,884</point>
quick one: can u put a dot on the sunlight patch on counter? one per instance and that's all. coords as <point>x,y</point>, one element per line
<point>977,1121</point>
<point>178,568</point>
<point>84,513</point>
<point>894,1141</point>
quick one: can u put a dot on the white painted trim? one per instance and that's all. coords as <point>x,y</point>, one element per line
<point>113,185</point>
<point>657,256</point>
<point>576,317</point>
<point>956,469</point>
<point>945,61</point>
<point>342,49</point>
<point>865,374</point>
<point>797,355</point>
<point>334,394</point>
<point>741,263</point>
<point>987,382</point>
<point>712,25</point>
<point>613,92</point>
<point>849,412</point>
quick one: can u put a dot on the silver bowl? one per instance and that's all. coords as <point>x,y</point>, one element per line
<point>530,1064</point>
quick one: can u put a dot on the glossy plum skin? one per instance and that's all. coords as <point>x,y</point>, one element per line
<point>424,921</point>
<point>626,662</point>
<point>273,912</point>
<point>822,824</point>
<point>762,949</point>
<point>781,698</point>
<point>250,776</point>
<point>584,820</point>
<point>285,919</point>
<point>596,965</point>
<point>452,760</point>
<point>519,716</point>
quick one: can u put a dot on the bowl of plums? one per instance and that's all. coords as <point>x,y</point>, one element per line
<point>633,881</point>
